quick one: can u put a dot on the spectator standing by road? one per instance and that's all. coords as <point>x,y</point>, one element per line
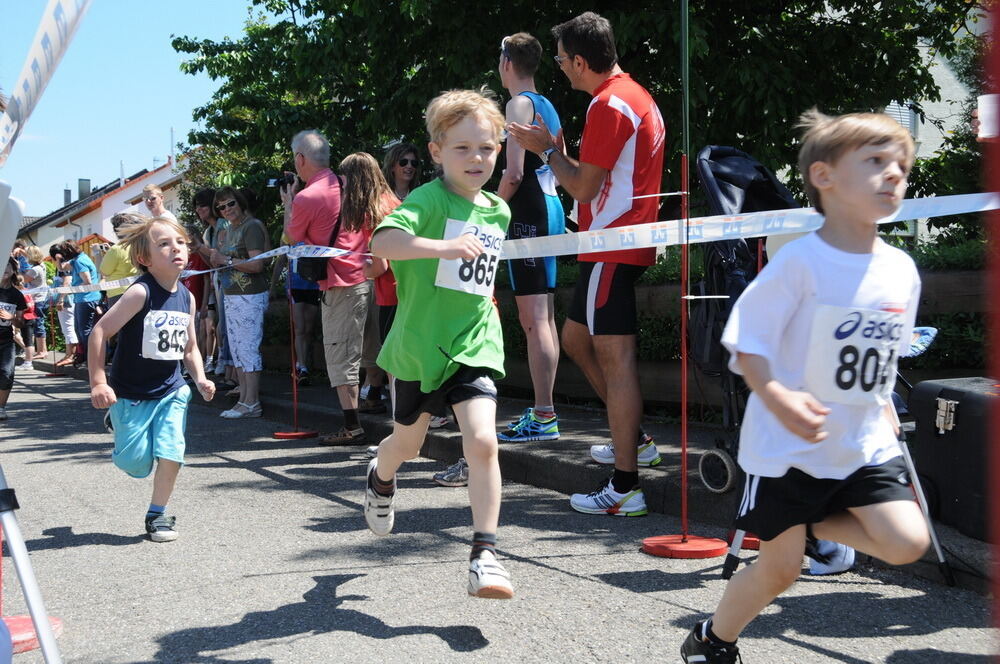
<point>621,162</point>
<point>245,288</point>
<point>312,215</point>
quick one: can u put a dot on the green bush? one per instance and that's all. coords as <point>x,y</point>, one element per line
<point>969,254</point>
<point>960,343</point>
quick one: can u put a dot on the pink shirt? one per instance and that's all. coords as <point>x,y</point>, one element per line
<point>314,211</point>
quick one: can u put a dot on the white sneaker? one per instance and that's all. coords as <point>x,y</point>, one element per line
<point>647,452</point>
<point>209,366</point>
<point>363,392</point>
<point>372,451</point>
<point>840,558</point>
<point>608,501</point>
<point>438,422</point>
<point>488,579</point>
<point>379,513</point>
<point>3,414</point>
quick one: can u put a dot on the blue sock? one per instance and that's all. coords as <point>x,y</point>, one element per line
<point>155,510</point>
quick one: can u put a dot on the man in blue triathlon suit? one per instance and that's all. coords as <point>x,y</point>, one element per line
<point>529,188</point>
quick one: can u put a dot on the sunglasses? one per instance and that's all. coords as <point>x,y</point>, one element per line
<point>222,206</point>
<point>560,58</point>
<point>409,162</point>
<point>503,48</point>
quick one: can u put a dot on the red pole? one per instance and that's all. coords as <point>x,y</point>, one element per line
<point>294,433</point>
<point>685,217</point>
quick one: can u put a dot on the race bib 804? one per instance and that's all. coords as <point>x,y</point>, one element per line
<point>852,355</point>
<point>475,276</point>
<point>164,335</point>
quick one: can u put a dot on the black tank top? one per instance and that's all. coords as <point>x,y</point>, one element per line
<point>150,345</point>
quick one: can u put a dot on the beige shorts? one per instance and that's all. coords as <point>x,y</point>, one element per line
<point>344,310</point>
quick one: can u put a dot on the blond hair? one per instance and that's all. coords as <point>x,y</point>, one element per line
<point>451,107</point>
<point>135,238</point>
<point>827,138</point>
<point>34,254</point>
<point>151,189</point>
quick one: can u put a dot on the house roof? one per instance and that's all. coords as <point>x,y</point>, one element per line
<point>77,209</point>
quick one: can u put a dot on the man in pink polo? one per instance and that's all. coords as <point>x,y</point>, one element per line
<point>621,160</point>
<point>312,216</point>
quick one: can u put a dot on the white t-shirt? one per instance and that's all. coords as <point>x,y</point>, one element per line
<point>830,323</point>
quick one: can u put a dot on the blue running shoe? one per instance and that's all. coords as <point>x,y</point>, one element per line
<point>530,428</point>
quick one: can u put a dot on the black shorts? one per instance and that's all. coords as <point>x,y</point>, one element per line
<point>772,505</point>
<point>386,314</point>
<point>604,298</point>
<point>306,295</point>
<point>468,383</point>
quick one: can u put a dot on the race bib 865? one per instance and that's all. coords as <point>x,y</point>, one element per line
<point>164,335</point>
<point>852,355</point>
<point>475,276</point>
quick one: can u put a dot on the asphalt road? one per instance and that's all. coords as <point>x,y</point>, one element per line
<point>274,564</point>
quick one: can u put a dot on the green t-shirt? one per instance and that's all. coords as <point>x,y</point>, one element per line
<point>446,317</point>
<point>248,236</point>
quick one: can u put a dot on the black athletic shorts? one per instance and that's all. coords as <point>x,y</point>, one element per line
<point>772,505</point>
<point>307,295</point>
<point>468,383</point>
<point>386,314</point>
<point>604,298</point>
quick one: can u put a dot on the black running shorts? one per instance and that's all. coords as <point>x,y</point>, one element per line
<point>468,383</point>
<point>772,505</point>
<point>604,298</point>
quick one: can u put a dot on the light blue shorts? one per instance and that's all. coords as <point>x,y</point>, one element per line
<point>149,429</point>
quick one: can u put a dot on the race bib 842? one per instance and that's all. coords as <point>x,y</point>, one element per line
<point>475,276</point>
<point>164,335</point>
<point>852,355</point>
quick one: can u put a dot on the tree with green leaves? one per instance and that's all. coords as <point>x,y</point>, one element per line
<point>362,71</point>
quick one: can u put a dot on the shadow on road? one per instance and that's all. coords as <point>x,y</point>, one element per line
<point>321,612</point>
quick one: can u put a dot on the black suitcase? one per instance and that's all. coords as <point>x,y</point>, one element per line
<point>951,451</point>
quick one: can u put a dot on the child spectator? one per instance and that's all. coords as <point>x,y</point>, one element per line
<point>65,306</point>
<point>37,277</point>
<point>12,305</point>
<point>365,200</point>
<point>816,336</point>
<point>446,346</point>
<point>154,320</point>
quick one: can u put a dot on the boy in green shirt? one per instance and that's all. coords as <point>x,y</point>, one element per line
<point>446,345</point>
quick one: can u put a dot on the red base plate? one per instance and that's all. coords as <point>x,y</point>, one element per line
<point>678,546</point>
<point>750,541</point>
<point>22,631</point>
<point>295,435</point>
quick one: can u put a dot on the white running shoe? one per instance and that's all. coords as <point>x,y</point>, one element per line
<point>438,422</point>
<point>839,558</point>
<point>379,513</point>
<point>608,501</point>
<point>371,451</point>
<point>488,579</point>
<point>209,366</point>
<point>647,452</point>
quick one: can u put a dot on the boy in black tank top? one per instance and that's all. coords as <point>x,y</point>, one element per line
<point>155,326</point>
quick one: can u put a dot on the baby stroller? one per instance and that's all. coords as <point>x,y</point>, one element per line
<point>734,183</point>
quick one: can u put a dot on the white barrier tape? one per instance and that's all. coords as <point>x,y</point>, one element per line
<point>300,251</point>
<point>55,31</point>
<point>728,227</point>
<point>642,236</point>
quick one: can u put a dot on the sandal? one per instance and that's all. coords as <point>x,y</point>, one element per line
<point>345,437</point>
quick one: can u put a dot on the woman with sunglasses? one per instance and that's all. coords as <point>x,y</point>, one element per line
<point>245,287</point>
<point>401,169</point>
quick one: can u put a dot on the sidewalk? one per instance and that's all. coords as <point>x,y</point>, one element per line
<point>565,465</point>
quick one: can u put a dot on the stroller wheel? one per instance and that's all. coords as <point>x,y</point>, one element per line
<point>717,470</point>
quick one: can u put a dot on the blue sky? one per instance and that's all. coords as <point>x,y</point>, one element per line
<point>115,95</point>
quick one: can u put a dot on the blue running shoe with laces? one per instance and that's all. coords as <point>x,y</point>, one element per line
<point>530,428</point>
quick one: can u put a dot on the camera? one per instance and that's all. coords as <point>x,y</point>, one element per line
<point>281,181</point>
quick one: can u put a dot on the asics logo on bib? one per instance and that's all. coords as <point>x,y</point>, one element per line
<point>489,240</point>
<point>873,329</point>
<point>170,319</point>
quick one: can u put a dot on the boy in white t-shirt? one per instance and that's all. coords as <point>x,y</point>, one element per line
<point>816,336</point>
